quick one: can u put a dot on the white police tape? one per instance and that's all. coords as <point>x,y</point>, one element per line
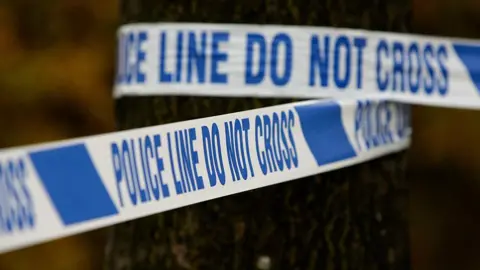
<point>58,189</point>
<point>302,62</point>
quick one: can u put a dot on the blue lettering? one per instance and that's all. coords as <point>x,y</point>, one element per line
<point>260,153</point>
<point>129,176</point>
<point>342,42</point>
<point>287,42</point>
<point>4,203</point>
<point>208,153</point>
<point>183,171</point>
<point>16,205</point>
<point>218,57</point>
<point>246,128</point>
<point>217,157</point>
<point>342,60</point>
<point>129,48</point>
<point>160,167</point>
<point>8,174</point>
<point>385,129</point>
<point>443,80</point>
<point>179,188</point>
<point>414,72</point>
<point>319,60</point>
<point>28,210</point>
<point>179,56</point>
<point>252,77</point>
<point>268,142</point>
<point>213,155</point>
<point>164,75</point>
<point>131,56</point>
<point>398,63</point>
<point>236,148</point>
<point>358,123</point>
<point>367,131</point>
<point>152,182</point>
<point>240,153</point>
<point>373,124</point>
<point>278,151</point>
<point>134,166</point>
<point>121,60</point>
<point>186,159</point>
<point>382,81</point>
<point>117,169</point>
<point>283,130</point>
<point>126,168</point>
<point>17,219</point>
<point>414,66</point>
<point>141,54</point>
<point>403,123</point>
<point>359,43</point>
<point>429,81</point>
<point>146,176</point>
<point>196,58</point>
<point>293,148</point>
<point>276,141</point>
<point>232,150</point>
<point>194,155</point>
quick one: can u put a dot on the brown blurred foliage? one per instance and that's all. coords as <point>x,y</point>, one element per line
<point>55,69</point>
<point>447,136</point>
<point>56,74</point>
<point>444,158</point>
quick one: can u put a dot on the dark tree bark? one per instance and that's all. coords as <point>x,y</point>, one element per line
<point>353,218</point>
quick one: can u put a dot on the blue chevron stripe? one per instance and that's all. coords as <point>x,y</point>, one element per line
<point>73,183</point>
<point>470,56</point>
<point>324,133</point>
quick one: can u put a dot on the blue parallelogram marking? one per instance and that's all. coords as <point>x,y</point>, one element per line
<point>470,56</point>
<point>324,132</point>
<point>73,183</point>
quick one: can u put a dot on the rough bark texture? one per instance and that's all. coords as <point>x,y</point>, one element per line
<point>354,218</point>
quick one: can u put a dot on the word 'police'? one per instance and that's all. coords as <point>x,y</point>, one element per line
<point>378,123</point>
<point>128,157</point>
<point>150,167</point>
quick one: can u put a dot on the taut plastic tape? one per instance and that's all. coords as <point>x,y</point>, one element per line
<point>58,189</point>
<point>234,60</point>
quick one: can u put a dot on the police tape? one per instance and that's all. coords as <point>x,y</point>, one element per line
<point>58,189</point>
<point>302,62</point>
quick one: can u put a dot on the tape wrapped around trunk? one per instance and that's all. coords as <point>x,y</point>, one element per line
<point>351,218</point>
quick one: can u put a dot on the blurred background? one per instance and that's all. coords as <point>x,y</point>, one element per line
<point>56,73</point>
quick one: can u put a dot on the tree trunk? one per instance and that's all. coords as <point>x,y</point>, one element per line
<point>353,218</point>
